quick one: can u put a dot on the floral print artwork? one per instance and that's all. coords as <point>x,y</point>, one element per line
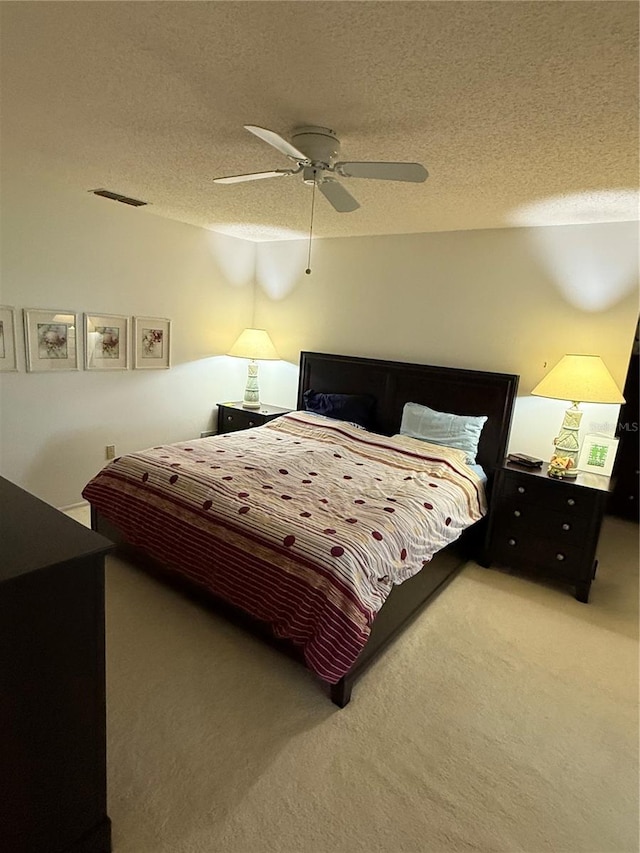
<point>7,339</point>
<point>152,336</point>
<point>152,343</point>
<point>107,343</point>
<point>52,340</point>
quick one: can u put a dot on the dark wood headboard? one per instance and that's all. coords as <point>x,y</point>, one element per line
<point>394,383</point>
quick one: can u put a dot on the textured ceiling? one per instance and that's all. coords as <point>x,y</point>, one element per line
<point>523,112</point>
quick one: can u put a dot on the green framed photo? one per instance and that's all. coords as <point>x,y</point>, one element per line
<point>598,453</point>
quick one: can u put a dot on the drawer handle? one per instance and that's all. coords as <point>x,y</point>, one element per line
<point>560,556</point>
<point>517,513</point>
<point>521,489</point>
<point>251,423</point>
<point>571,502</point>
<point>229,418</point>
<point>511,542</point>
<point>566,526</point>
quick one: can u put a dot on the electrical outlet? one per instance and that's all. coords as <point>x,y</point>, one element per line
<point>110,451</point>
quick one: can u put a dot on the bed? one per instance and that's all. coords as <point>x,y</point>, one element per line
<point>328,564</point>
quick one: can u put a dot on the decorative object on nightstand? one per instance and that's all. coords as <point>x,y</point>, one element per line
<point>547,527</point>
<point>581,379</point>
<point>254,344</point>
<point>598,454</point>
<point>234,416</point>
<point>524,460</point>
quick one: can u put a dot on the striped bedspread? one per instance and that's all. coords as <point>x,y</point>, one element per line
<point>305,523</point>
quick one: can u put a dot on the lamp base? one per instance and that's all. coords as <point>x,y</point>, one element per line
<point>563,464</point>
<point>252,392</point>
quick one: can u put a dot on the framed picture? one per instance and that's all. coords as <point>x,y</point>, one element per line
<point>50,339</point>
<point>598,454</point>
<point>8,338</point>
<point>152,342</point>
<point>106,342</point>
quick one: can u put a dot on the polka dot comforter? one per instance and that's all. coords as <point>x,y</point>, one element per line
<point>306,523</point>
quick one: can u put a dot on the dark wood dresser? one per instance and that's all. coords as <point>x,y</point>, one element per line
<point>53,796</point>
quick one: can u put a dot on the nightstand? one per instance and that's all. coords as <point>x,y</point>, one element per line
<point>232,416</point>
<point>547,527</point>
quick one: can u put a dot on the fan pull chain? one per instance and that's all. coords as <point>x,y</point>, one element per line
<point>313,204</point>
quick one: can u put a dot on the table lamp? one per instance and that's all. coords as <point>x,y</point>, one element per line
<point>253,344</point>
<point>581,379</point>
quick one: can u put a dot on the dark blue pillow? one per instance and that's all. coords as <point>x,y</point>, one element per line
<point>357,408</point>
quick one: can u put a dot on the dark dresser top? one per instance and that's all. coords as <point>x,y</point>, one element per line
<point>35,535</point>
<point>584,478</point>
<point>265,408</point>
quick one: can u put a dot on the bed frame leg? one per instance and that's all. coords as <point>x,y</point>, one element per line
<point>341,692</point>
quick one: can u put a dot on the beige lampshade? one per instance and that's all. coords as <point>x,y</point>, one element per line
<point>254,343</point>
<point>579,378</point>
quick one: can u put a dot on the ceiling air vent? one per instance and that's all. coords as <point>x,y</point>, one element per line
<point>123,199</point>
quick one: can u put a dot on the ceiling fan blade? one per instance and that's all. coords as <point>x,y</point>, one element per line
<point>337,196</point>
<point>415,172</point>
<point>255,176</point>
<point>277,141</point>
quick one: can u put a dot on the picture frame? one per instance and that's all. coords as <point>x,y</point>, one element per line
<point>152,343</point>
<point>598,453</point>
<point>51,340</point>
<point>8,360</point>
<point>106,342</point>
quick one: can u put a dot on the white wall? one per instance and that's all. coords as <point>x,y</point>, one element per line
<point>511,300</point>
<point>64,248</point>
<point>508,300</point>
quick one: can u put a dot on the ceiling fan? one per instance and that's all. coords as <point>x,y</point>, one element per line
<point>315,151</point>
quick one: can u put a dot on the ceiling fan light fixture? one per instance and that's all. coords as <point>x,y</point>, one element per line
<point>310,175</point>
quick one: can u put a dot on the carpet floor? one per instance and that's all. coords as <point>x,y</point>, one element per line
<point>504,719</point>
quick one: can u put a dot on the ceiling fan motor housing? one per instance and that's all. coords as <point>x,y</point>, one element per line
<point>320,144</point>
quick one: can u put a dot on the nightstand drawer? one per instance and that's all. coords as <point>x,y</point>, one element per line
<point>550,494</point>
<point>521,550</point>
<point>235,419</point>
<point>565,527</point>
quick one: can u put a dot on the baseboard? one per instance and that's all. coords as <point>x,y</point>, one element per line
<point>79,505</point>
